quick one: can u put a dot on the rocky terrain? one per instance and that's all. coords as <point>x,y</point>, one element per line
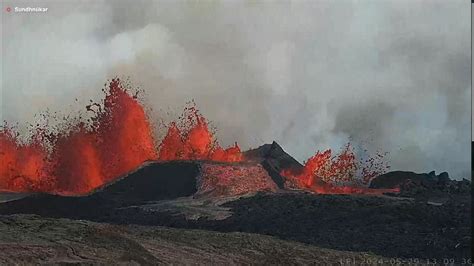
<point>239,213</point>
<point>35,240</point>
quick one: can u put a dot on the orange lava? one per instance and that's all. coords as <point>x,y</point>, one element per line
<point>118,140</point>
<point>325,174</point>
<point>195,142</point>
<point>75,163</point>
<point>82,157</point>
<point>125,139</point>
<point>21,164</point>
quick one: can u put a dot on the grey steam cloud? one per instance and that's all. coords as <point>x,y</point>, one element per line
<point>389,76</point>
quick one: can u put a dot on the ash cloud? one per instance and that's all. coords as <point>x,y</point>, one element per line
<point>387,75</point>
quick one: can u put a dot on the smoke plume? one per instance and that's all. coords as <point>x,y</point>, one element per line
<point>389,76</point>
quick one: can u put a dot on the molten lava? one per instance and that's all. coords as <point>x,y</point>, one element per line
<point>325,174</point>
<point>75,162</point>
<point>22,165</point>
<point>195,142</point>
<point>119,140</point>
<point>124,136</point>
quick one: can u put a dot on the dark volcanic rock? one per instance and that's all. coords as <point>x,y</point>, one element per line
<point>386,226</point>
<point>274,159</point>
<point>153,181</point>
<point>389,227</point>
<point>69,242</point>
<point>396,178</point>
<point>9,196</point>
<point>413,184</point>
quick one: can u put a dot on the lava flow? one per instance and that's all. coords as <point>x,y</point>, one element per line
<point>325,174</point>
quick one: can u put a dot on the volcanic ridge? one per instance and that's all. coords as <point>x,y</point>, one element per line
<point>246,197</point>
<point>111,174</point>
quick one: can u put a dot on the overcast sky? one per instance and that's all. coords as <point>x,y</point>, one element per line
<point>388,76</point>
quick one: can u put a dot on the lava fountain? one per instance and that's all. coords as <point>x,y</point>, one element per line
<point>119,138</point>
<point>195,141</point>
<point>341,174</point>
<point>20,160</point>
<point>83,157</point>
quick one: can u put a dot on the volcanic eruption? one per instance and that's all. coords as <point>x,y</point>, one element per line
<point>84,156</point>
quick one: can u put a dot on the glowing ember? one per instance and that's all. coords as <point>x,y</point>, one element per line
<point>325,174</point>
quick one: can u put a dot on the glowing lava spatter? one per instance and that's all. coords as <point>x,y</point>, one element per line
<point>119,139</point>
<point>325,174</point>
<point>22,165</point>
<point>124,133</point>
<point>75,163</point>
<point>195,142</point>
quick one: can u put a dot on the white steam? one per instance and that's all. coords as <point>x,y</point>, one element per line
<point>389,75</point>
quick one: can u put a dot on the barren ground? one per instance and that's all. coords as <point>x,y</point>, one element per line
<point>30,239</point>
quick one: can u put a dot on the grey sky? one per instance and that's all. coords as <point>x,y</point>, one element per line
<point>388,75</point>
